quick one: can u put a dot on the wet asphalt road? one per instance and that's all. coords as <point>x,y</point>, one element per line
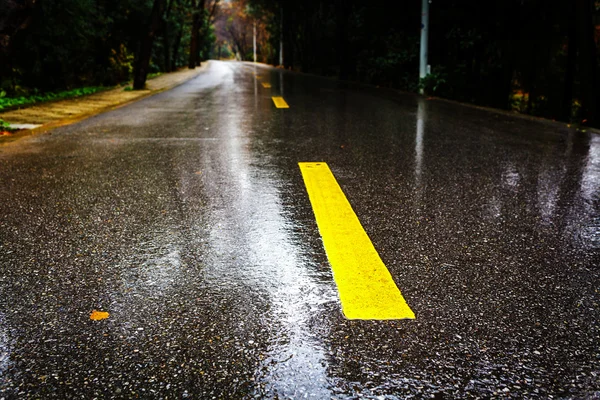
<point>186,218</point>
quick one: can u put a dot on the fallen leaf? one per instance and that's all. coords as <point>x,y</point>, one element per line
<point>98,315</point>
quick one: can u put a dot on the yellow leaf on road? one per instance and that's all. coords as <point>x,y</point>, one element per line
<point>98,315</point>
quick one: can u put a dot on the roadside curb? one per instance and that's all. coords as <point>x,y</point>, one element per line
<point>499,111</point>
<point>508,113</point>
<point>46,127</point>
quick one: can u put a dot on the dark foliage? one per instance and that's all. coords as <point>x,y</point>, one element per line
<point>536,56</point>
<point>52,45</point>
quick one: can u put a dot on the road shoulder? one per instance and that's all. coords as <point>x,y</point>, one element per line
<point>49,115</point>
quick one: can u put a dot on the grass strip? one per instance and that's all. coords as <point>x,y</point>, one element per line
<point>12,102</point>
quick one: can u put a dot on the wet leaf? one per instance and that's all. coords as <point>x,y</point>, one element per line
<point>98,315</point>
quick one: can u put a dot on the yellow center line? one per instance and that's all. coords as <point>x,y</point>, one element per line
<point>366,287</point>
<point>280,102</point>
<point>266,85</point>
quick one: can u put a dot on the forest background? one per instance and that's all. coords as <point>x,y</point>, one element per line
<point>532,56</point>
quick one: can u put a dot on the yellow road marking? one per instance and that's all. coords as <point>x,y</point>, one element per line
<point>366,288</point>
<point>266,85</point>
<point>280,102</point>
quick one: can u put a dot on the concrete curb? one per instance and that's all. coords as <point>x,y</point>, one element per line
<point>441,99</point>
<point>515,114</point>
<point>46,127</point>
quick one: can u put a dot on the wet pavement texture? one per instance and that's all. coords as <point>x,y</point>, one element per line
<point>185,217</point>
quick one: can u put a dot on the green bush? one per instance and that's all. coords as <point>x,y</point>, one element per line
<point>120,65</point>
<point>9,102</point>
<point>433,83</point>
<point>5,126</point>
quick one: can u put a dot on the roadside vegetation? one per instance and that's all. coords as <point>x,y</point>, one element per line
<point>54,49</point>
<point>14,102</point>
<point>5,128</point>
<point>537,57</point>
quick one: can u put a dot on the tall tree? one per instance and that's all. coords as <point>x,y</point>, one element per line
<point>140,72</point>
<point>567,100</point>
<point>342,12</point>
<point>588,62</point>
<point>197,18</point>
<point>206,37</point>
<point>15,16</point>
<point>166,35</point>
<point>236,25</point>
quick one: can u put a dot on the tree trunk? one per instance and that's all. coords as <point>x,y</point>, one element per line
<point>194,41</point>
<point>140,72</point>
<point>206,21</point>
<point>288,42</point>
<point>195,33</point>
<point>567,101</point>
<point>507,34</point>
<point>587,61</point>
<point>531,96</point>
<point>16,16</point>
<point>501,80</point>
<point>532,81</point>
<point>167,48</point>
<point>176,46</point>
<point>167,39</point>
<point>199,49</point>
<point>341,13</point>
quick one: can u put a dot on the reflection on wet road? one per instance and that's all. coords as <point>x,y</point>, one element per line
<point>185,217</point>
<point>366,289</point>
<point>590,190</point>
<point>251,226</point>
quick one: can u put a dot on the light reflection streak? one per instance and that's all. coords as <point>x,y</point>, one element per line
<point>156,270</point>
<point>419,143</point>
<point>419,146</point>
<point>548,187</point>
<point>590,182</point>
<point>281,91</point>
<point>590,193</point>
<point>511,177</point>
<point>255,88</point>
<point>5,350</point>
<point>249,223</point>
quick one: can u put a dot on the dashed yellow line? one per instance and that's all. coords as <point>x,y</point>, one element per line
<point>366,288</point>
<point>266,85</point>
<point>280,102</point>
